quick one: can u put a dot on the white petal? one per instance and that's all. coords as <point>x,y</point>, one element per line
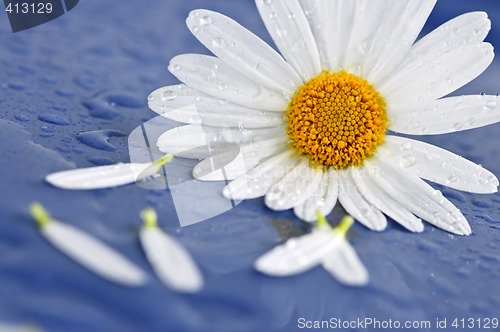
<point>438,165</point>
<point>371,191</point>
<point>242,50</point>
<point>466,29</point>
<point>418,197</point>
<point>199,142</point>
<point>345,266</point>
<point>171,262</point>
<point>439,76</point>
<point>349,32</point>
<point>231,163</point>
<point>323,200</point>
<point>101,176</point>
<point>399,29</point>
<point>93,254</point>
<point>447,115</point>
<point>356,205</point>
<point>187,105</point>
<point>212,76</point>
<point>368,25</point>
<point>286,23</point>
<point>260,179</point>
<point>294,188</point>
<point>297,255</point>
<point>331,23</point>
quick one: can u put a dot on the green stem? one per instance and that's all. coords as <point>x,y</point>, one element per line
<point>148,215</point>
<point>41,216</point>
<point>344,226</point>
<point>163,160</point>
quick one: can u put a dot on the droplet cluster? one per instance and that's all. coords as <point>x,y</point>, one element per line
<point>336,119</point>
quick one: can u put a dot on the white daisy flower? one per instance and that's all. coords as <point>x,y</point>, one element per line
<point>106,176</point>
<point>316,124</point>
<point>171,262</point>
<point>325,246</point>
<point>87,250</point>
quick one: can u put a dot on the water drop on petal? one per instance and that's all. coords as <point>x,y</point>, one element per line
<point>168,95</point>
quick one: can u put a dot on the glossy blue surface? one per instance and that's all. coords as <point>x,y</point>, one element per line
<point>72,90</point>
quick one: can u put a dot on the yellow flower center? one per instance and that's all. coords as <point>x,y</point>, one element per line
<point>336,119</point>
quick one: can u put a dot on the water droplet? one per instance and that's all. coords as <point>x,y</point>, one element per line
<point>151,98</point>
<point>222,86</point>
<point>458,126</point>
<point>22,118</point>
<point>168,95</point>
<point>101,161</point>
<point>407,161</point>
<point>491,104</point>
<point>218,42</point>
<point>16,86</point>
<point>268,2</point>
<point>47,129</point>
<point>452,179</point>
<point>205,20</point>
<point>406,146</point>
<point>414,124</point>
<point>99,139</point>
<point>54,119</point>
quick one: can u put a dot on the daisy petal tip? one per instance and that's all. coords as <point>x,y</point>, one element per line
<point>361,281</point>
<point>228,193</point>
<point>418,229</point>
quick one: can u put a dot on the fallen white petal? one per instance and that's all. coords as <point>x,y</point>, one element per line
<point>100,177</point>
<point>92,254</point>
<point>171,262</point>
<point>438,165</point>
<point>213,77</point>
<point>298,255</point>
<point>286,23</point>
<point>242,50</point>
<point>344,265</point>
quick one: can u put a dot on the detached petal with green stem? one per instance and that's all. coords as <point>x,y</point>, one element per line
<point>171,262</point>
<point>106,176</point>
<point>325,246</point>
<point>87,250</point>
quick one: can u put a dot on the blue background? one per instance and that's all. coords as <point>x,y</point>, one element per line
<point>69,85</point>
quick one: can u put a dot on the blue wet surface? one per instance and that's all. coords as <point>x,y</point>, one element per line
<point>73,89</point>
